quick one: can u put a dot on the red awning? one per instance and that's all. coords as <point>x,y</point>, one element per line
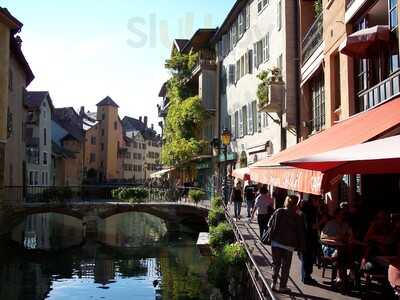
<point>365,42</point>
<point>376,157</point>
<point>358,129</point>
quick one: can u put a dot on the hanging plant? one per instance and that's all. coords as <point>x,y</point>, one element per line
<point>267,77</point>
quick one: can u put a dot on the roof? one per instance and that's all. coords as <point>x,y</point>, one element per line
<point>15,48</point>
<point>7,18</point>
<point>70,121</point>
<point>61,151</point>
<point>230,18</point>
<point>163,90</point>
<point>200,39</point>
<point>130,124</point>
<point>35,98</point>
<point>107,101</point>
<point>180,43</point>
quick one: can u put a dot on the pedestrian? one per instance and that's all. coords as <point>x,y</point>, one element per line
<point>309,211</point>
<point>287,235</point>
<point>249,196</point>
<point>237,199</point>
<point>264,206</point>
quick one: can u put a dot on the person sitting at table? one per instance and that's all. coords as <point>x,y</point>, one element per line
<point>380,241</point>
<point>334,237</point>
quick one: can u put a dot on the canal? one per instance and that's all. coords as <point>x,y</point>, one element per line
<point>133,257</point>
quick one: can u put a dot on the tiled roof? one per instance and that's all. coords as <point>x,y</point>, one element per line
<point>70,121</point>
<point>107,101</point>
<point>130,124</point>
<point>34,99</point>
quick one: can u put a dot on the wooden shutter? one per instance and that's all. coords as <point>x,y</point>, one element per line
<point>250,61</point>
<point>259,120</point>
<point>255,56</point>
<point>254,110</point>
<point>250,118</point>
<point>247,16</point>
<point>240,122</point>
<point>231,74</point>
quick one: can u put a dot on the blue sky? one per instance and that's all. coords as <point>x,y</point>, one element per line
<point>84,50</point>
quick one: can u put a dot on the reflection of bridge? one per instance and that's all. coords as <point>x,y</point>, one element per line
<point>174,214</point>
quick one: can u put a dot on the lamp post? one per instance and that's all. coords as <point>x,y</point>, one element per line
<point>226,140</point>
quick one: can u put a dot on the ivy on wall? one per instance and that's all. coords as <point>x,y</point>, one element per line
<point>185,113</point>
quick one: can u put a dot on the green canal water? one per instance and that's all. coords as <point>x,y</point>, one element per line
<point>132,257</point>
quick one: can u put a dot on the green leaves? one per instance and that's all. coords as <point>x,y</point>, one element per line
<point>185,113</point>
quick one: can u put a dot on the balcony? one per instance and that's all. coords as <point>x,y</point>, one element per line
<point>313,39</point>
<point>381,92</point>
<point>205,60</point>
<point>32,155</point>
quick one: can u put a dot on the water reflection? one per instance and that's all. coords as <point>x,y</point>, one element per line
<point>157,268</point>
<point>131,230</point>
<point>49,231</point>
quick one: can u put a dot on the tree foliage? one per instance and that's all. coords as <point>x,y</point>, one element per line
<point>185,112</point>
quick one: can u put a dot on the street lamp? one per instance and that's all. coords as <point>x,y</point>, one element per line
<point>222,144</point>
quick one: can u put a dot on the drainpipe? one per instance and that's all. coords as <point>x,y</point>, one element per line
<point>297,63</point>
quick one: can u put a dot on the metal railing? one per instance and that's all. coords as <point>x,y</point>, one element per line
<point>18,195</point>
<point>263,288</point>
<point>312,39</point>
<point>380,92</point>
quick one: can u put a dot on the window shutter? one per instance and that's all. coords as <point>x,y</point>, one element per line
<point>237,71</point>
<point>259,117</point>
<point>247,16</point>
<point>250,118</point>
<point>254,110</point>
<point>240,123</point>
<point>255,56</point>
<point>246,63</point>
<point>250,61</point>
<point>266,47</point>
<point>231,74</point>
<point>244,120</point>
<point>260,53</point>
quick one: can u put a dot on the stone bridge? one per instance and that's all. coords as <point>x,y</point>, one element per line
<point>175,214</point>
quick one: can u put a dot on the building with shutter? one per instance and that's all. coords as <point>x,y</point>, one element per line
<point>258,36</point>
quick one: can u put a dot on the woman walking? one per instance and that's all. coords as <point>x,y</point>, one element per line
<point>287,235</point>
<point>265,207</point>
<point>237,199</point>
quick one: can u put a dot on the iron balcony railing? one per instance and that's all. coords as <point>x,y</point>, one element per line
<point>312,39</point>
<point>205,58</point>
<point>381,92</point>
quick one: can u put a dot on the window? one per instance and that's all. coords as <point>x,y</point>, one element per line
<point>144,146</point>
<point>45,158</point>
<point>233,124</point>
<point>31,178</point>
<point>43,180</point>
<point>244,121</point>
<point>393,18</point>
<point>44,136</point>
<point>46,177</point>
<point>279,16</point>
<point>135,145</point>
<point>241,24</point>
<point>261,4</point>
<point>247,16</point>
<point>103,116</point>
<point>139,156</point>
<point>102,146</point>
<point>115,125</point>
<point>92,157</point>
<point>279,63</point>
<point>318,103</point>
<point>265,45</point>
<point>10,80</point>
<point>242,66</point>
<point>93,140</point>
<point>36,179</point>
<point>250,61</point>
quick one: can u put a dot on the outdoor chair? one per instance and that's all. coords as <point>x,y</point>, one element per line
<point>326,262</point>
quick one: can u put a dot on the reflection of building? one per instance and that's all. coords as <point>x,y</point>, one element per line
<point>38,138</point>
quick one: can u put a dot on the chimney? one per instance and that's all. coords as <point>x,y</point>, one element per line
<point>82,111</point>
<point>152,126</point>
<point>145,121</point>
<point>140,119</point>
<point>18,40</point>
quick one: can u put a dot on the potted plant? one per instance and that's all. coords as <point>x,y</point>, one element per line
<point>270,91</point>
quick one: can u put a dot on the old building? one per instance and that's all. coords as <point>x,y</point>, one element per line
<point>68,147</point>
<point>20,75</point>
<point>258,36</point>
<point>9,26</point>
<point>143,149</point>
<point>104,144</point>
<point>38,138</point>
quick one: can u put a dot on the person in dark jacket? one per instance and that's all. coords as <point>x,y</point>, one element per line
<point>237,199</point>
<point>309,210</point>
<point>287,235</point>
